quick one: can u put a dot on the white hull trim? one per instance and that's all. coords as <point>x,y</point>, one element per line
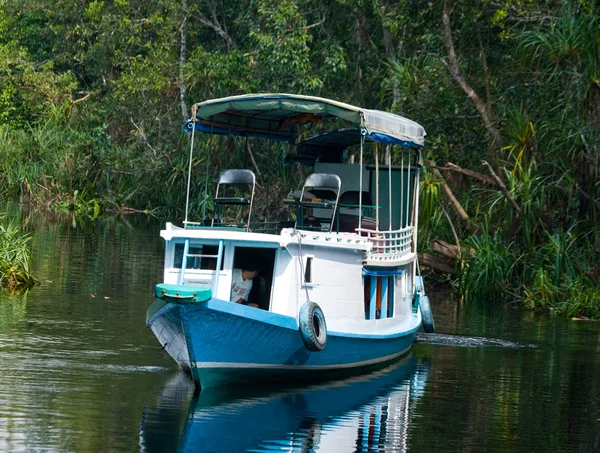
<point>267,366</point>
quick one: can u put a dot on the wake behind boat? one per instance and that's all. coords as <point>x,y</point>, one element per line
<point>335,290</point>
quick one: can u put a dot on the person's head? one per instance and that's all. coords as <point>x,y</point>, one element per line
<point>250,271</point>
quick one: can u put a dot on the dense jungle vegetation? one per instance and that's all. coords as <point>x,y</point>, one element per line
<point>93,95</point>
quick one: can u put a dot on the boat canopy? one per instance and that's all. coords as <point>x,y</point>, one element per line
<point>330,146</point>
<point>276,117</point>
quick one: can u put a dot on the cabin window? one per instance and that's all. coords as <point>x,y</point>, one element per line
<point>308,270</point>
<point>379,296</point>
<point>262,259</point>
<point>200,256</point>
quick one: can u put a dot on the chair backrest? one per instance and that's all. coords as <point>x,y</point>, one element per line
<point>237,176</point>
<point>324,181</point>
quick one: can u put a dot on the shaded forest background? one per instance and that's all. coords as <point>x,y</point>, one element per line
<point>93,96</point>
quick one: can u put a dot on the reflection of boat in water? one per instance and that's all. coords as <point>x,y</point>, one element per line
<point>343,415</point>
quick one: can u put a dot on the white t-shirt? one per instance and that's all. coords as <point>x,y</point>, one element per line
<point>240,288</point>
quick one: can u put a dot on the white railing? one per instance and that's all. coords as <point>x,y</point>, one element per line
<point>389,247</point>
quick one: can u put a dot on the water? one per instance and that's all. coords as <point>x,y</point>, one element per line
<point>79,371</point>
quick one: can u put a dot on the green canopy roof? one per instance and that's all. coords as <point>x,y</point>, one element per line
<point>275,116</point>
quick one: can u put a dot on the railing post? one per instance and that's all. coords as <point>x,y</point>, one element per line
<point>218,269</point>
<point>384,297</point>
<point>373,305</point>
<point>186,250</point>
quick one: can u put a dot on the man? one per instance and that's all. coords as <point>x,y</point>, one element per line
<point>241,284</point>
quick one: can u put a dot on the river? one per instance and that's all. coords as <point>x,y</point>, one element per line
<point>80,372</point>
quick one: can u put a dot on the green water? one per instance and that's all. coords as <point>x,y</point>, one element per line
<point>79,371</point>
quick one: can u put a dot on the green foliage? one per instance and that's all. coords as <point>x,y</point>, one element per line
<point>283,46</point>
<point>28,88</point>
<point>572,298</point>
<point>220,74</point>
<point>79,205</point>
<point>14,258</point>
<point>488,273</point>
<point>430,193</point>
<point>91,107</point>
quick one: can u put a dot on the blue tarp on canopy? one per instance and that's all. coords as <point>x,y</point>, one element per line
<point>330,146</point>
<point>235,132</point>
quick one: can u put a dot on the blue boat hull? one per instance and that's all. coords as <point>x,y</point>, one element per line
<point>220,343</point>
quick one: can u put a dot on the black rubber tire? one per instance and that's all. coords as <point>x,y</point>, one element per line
<point>426,315</point>
<point>313,328</point>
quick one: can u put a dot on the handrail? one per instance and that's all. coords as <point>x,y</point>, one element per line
<point>392,242</point>
<point>202,256</point>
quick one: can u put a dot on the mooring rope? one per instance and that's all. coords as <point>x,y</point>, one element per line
<point>297,233</point>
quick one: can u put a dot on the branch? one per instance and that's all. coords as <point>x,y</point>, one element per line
<point>486,74</point>
<point>486,180</point>
<point>362,27</point>
<point>450,196</point>
<point>453,229</point>
<point>502,187</point>
<point>454,69</point>
<point>144,138</point>
<point>81,99</point>
<point>252,160</point>
<point>592,152</point>
<point>216,26</point>
<point>307,27</point>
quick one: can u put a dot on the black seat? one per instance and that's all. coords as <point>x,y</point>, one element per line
<point>323,181</point>
<point>323,194</point>
<point>238,177</point>
<point>353,197</point>
<point>235,177</point>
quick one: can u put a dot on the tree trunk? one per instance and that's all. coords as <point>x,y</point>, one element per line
<point>452,65</point>
<point>441,265</point>
<point>449,250</point>
<point>456,206</point>
<point>483,179</point>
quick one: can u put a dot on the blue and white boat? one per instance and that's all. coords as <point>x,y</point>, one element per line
<point>338,289</point>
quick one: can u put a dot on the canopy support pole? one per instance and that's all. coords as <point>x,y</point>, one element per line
<point>360,191</point>
<point>377,186</point>
<point>402,191</point>
<point>389,154</point>
<point>408,193</point>
<point>187,196</point>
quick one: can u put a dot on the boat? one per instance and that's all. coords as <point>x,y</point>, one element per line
<point>336,288</point>
<point>359,412</point>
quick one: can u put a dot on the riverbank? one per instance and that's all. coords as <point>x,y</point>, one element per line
<point>15,257</point>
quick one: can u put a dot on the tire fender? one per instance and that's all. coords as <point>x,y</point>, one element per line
<point>426,315</point>
<point>313,328</point>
